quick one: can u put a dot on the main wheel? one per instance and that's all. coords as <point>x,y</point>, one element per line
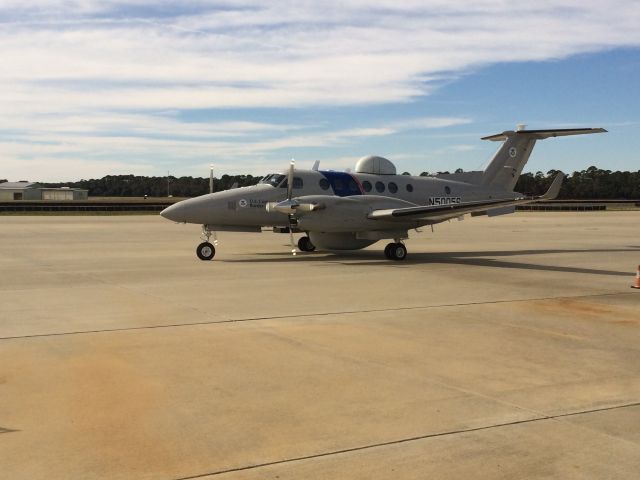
<point>387,250</point>
<point>205,251</point>
<point>397,251</point>
<point>305,245</point>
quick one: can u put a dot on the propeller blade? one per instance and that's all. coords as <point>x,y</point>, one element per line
<point>290,179</point>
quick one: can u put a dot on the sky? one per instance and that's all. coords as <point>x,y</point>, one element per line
<point>91,88</point>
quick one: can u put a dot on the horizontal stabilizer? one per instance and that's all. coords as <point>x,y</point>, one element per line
<point>541,134</point>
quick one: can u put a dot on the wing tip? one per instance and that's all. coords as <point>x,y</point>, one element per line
<point>554,188</point>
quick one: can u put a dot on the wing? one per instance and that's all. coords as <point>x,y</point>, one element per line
<point>442,212</point>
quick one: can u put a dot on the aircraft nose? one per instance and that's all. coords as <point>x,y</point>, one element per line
<point>175,213</point>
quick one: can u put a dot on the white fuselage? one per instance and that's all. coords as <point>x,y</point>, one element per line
<point>246,206</point>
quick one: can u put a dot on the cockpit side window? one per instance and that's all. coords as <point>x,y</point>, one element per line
<point>273,179</point>
<point>297,183</point>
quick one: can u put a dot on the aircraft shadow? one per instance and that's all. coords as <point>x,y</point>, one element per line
<point>471,258</point>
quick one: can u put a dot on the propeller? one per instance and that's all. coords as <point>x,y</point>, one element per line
<point>291,217</point>
<point>292,167</point>
<point>291,206</point>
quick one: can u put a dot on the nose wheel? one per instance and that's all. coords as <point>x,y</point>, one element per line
<point>205,251</point>
<point>395,251</point>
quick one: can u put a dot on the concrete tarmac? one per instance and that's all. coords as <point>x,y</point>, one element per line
<point>501,348</point>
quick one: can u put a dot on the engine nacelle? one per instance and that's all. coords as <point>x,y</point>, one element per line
<point>346,214</point>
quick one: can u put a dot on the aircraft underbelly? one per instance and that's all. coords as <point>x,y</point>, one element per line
<point>338,241</point>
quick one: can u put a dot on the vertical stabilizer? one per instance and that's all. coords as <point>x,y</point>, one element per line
<point>508,162</point>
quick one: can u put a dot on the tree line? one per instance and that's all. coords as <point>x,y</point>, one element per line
<point>590,184</point>
<point>138,186</point>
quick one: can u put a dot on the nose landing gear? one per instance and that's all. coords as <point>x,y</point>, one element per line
<point>206,250</point>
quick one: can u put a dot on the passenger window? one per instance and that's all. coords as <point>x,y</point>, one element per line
<point>447,190</point>
<point>409,187</point>
<point>393,188</point>
<point>324,184</point>
<point>367,186</point>
<point>380,187</point>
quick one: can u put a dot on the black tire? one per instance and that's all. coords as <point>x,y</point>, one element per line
<point>398,251</point>
<point>305,245</point>
<point>387,250</point>
<point>205,251</point>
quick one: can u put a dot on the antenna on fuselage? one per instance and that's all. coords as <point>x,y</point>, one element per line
<point>316,165</point>
<point>211,178</point>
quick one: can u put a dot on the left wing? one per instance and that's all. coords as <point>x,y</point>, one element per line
<point>440,212</point>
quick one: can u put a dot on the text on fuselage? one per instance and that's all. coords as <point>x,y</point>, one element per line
<point>444,200</point>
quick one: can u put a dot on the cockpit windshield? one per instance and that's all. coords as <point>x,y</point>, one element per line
<point>273,179</point>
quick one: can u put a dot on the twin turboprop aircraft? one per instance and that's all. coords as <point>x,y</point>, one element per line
<point>352,210</point>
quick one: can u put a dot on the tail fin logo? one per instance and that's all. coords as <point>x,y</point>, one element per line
<point>513,151</point>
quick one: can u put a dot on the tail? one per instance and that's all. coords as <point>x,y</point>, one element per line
<point>508,162</point>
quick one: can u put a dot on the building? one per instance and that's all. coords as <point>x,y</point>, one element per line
<point>23,190</point>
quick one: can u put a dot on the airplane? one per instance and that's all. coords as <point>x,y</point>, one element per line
<point>353,210</point>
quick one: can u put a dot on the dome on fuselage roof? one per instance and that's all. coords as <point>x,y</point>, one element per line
<point>375,165</point>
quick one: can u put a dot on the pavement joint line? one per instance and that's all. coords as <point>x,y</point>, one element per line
<point>406,440</point>
<point>430,381</point>
<point>306,315</point>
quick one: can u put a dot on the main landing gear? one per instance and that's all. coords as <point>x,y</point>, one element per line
<point>206,250</point>
<point>395,251</point>
<point>305,245</point>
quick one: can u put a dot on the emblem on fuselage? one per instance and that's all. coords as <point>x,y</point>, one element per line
<point>242,203</point>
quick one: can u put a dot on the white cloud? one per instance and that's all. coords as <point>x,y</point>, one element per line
<point>256,54</point>
<point>166,141</point>
<point>84,70</point>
